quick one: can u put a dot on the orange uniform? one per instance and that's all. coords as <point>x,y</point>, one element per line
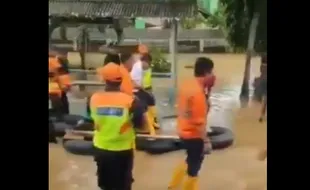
<point>59,74</point>
<point>53,84</point>
<point>192,110</point>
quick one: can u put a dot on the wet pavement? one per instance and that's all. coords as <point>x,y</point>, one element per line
<point>235,168</point>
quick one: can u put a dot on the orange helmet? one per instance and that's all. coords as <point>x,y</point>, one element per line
<point>110,72</point>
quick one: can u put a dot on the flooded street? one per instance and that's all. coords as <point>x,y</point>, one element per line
<point>234,168</point>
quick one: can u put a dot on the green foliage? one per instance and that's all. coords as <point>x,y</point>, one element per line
<point>234,17</point>
<point>190,23</point>
<point>239,14</point>
<point>159,63</point>
<point>218,19</point>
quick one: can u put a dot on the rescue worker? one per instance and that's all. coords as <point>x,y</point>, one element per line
<point>263,83</point>
<point>62,75</point>
<point>147,72</point>
<point>54,90</point>
<point>114,58</point>
<point>147,86</point>
<point>126,62</point>
<point>191,124</point>
<point>139,77</point>
<point>115,114</point>
<point>65,81</point>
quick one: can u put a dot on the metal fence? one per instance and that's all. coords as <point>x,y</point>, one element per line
<point>193,40</point>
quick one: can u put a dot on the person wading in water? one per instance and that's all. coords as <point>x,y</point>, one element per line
<point>263,83</point>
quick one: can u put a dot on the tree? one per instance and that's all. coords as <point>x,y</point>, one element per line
<point>234,18</point>
<point>244,94</point>
<point>244,24</point>
<point>240,15</point>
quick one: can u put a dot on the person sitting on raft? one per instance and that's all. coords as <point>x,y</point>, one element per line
<point>58,65</point>
<point>54,91</point>
<point>141,75</point>
<point>57,86</point>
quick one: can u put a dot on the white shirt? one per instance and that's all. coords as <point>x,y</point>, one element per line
<point>137,73</point>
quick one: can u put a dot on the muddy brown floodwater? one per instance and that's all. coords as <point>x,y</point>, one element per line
<point>234,168</point>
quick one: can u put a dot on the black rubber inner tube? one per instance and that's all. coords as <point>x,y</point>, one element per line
<point>83,147</point>
<point>157,146</point>
<point>85,126</point>
<point>79,147</point>
<point>72,119</point>
<point>60,128</point>
<point>220,137</point>
<point>224,137</point>
<point>215,131</point>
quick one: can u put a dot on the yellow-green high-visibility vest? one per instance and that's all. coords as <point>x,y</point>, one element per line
<point>147,78</point>
<point>112,119</point>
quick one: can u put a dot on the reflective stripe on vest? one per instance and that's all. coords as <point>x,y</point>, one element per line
<point>147,78</point>
<point>110,113</point>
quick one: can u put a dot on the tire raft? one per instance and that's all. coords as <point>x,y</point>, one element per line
<point>220,138</point>
<point>157,146</point>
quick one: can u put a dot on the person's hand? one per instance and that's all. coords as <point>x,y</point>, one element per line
<point>207,149</point>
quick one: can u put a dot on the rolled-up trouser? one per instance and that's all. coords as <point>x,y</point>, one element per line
<point>195,155</point>
<point>114,169</point>
<point>137,122</point>
<point>146,97</point>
